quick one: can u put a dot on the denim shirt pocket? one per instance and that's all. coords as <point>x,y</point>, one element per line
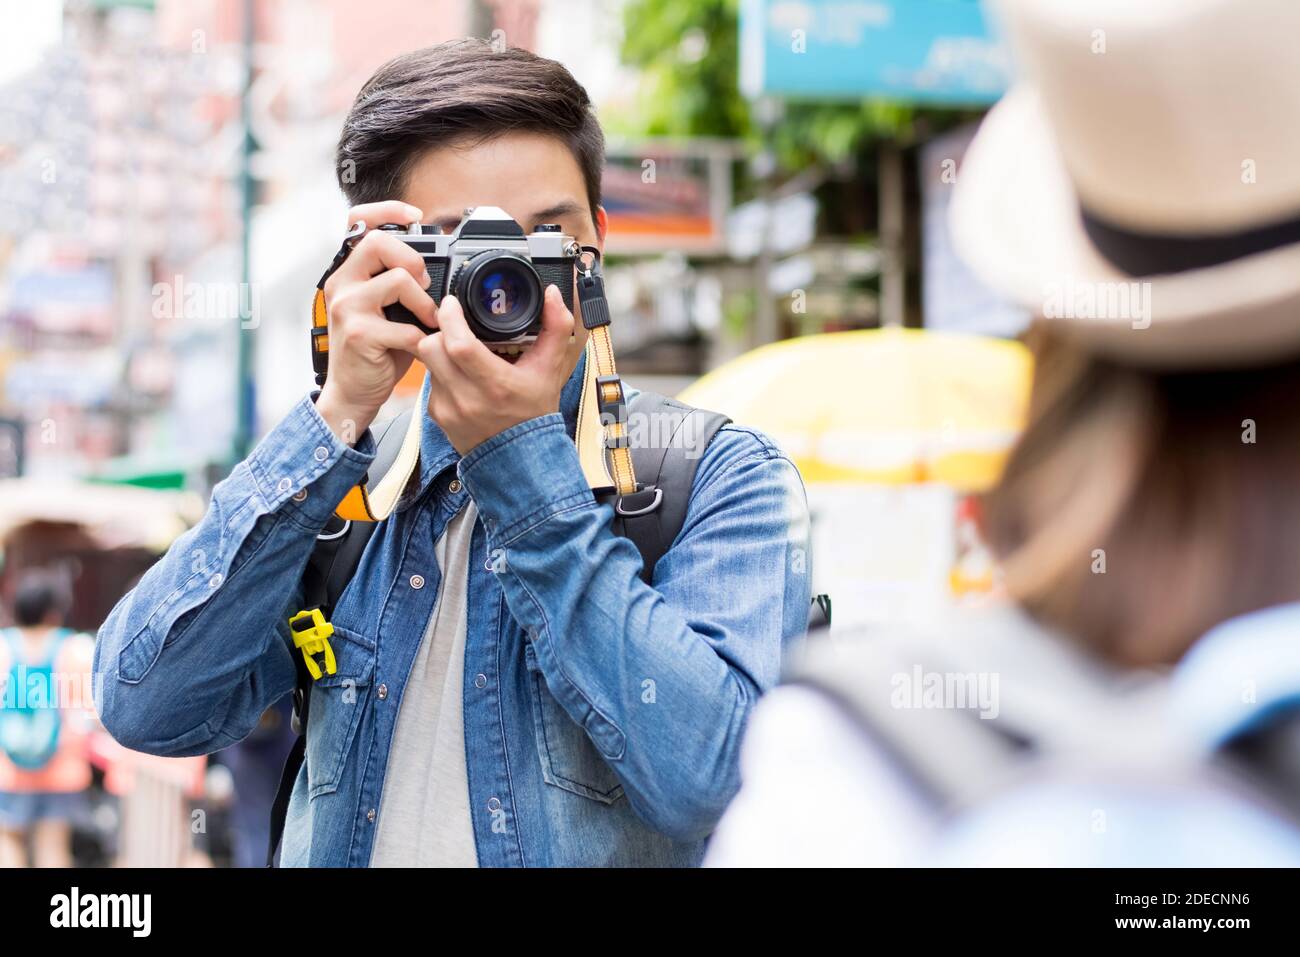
<point>569,760</point>
<point>335,710</point>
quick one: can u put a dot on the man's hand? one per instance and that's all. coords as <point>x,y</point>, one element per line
<point>367,353</point>
<point>475,393</point>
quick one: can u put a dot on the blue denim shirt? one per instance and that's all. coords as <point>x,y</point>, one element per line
<point>603,716</point>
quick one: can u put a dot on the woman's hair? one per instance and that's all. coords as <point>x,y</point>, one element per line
<point>40,596</point>
<point>1140,507</point>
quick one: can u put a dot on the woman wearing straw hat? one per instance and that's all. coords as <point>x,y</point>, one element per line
<point>1139,704</point>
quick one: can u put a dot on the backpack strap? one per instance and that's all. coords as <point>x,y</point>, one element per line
<point>665,466</point>
<point>950,755</point>
<point>57,638</point>
<point>1059,718</point>
<point>339,546</point>
<point>13,638</point>
<point>329,569</point>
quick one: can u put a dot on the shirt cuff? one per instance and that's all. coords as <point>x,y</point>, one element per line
<point>522,476</point>
<point>302,462</point>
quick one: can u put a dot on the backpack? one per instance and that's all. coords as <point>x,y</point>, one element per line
<point>29,730</point>
<point>650,517</point>
<point>1064,719</point>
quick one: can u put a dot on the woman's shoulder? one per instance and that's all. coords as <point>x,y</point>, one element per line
<point>816,792</point>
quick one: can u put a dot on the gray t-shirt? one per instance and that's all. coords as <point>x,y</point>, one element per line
<point>424,816</point>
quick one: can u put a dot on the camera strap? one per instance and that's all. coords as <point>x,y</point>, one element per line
<point>601,434</point>
<point>320,338</point>
<point>362,503</point>
<point>602,393</point>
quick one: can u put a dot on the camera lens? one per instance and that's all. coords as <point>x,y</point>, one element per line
<point>500,292</point>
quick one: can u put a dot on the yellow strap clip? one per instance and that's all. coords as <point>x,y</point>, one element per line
<point>310,633</point>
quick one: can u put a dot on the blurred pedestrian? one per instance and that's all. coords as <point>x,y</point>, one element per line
<point>45,715</point>
<point>1140,703</point>
<point>255,764</point>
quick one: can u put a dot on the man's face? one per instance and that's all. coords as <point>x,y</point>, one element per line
<point>533,177</point>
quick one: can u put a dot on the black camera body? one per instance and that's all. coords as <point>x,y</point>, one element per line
<point>495,270</point>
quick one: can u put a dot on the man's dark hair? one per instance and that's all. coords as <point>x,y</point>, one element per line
<point>461,92</point>
<point>39,594</point>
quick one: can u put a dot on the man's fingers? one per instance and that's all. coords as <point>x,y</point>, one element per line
<point>376,253</point>
<point>557,328</point>
<point>461,345</point>
<point>398,336</point>
<point>396,285</point>
<point>360,326</point>
<point>381,214</point>
<point>432,351</point>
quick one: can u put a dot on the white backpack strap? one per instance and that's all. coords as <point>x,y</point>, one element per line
<point>952,755</point>
<point>1047,706</point>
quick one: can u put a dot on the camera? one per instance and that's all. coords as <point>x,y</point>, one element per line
<point>496,271</point>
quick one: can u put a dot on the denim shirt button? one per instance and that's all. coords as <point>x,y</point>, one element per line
<point>493,805</point>
<point>453,486</point>
<point>417,582</point>
<point>370,815</point>
<point>321,453</point>
<point>480,681</point>
<point>382,691</point>
<point>284,486</point>
<point>300,495</point>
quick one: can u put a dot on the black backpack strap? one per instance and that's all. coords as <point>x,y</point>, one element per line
<point>340,545</point>
<point>280,806</point>
<point>338,551</point>
<point>653,515</point>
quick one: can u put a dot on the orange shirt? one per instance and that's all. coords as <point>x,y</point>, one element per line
<point>69,769</point>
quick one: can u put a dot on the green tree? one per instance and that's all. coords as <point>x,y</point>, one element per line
<point>688,55</point>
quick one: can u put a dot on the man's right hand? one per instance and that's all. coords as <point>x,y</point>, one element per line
<point>367,353</point>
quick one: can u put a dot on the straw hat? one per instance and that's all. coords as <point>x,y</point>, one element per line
<point>1141,184</point>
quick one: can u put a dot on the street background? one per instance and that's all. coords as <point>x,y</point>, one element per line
<point>777,184</point>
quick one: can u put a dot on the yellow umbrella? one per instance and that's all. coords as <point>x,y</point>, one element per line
<point>882,406</point>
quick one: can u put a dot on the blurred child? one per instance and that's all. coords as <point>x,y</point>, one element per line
<point>45,714</point>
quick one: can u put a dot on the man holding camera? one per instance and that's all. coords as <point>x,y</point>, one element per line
<point>503,685</point>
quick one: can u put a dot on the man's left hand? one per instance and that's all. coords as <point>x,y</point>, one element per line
<point>475,393</point>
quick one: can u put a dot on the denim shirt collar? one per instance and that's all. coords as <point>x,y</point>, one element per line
<point>436,450</point>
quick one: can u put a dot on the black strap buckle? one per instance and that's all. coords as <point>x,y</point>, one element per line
<point>320,359</point>
<point>591,291</point>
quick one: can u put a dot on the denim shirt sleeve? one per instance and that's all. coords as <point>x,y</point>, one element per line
<point>662,678</point>
<point>189,659</point>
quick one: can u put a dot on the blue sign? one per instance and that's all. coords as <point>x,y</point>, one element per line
<point>937,52</point>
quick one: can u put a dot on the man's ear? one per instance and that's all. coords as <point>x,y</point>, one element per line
<point>602,227</point>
